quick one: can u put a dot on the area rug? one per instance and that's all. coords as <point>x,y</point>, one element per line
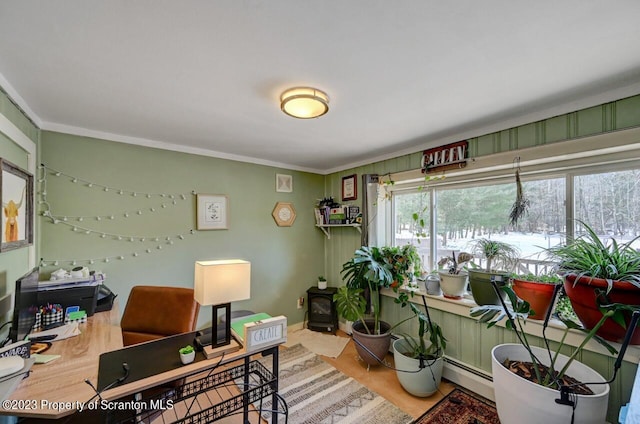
<point>318,343</point>
<point>460,407</point>
<point>317,393</point>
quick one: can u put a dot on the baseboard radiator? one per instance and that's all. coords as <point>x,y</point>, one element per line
<point>467,376</point>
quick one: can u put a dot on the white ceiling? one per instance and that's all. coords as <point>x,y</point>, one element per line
<point>205,76</point>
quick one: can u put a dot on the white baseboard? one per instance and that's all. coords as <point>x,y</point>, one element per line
<point>471,378</point>
<point>345,326</point>
<point>296,326</point>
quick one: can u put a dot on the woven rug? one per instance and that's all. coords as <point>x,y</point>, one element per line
<point>318,343</point>
<point>460,407</point>
<point>318,393</point>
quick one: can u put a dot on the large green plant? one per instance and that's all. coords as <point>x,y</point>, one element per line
<point>418,347</point>
<point>373,268</point>
<point>589,256</point>
<point>498,254</point>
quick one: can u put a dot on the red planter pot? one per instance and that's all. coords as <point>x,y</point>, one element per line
<point>537,294</point>
<point>583,299</point>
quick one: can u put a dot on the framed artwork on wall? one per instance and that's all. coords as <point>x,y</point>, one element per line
<point>349,187</point>
<point>212,211</point>
<point>16,193</point>
<point>284,183</point>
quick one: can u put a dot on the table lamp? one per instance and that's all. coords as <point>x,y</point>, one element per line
<point>218,283</point>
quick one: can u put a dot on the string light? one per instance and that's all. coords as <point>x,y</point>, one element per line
<point>88,231</point>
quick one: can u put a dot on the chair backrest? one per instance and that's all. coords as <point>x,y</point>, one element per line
<point>153,312</point>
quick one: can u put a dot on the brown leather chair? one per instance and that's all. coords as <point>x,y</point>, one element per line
<point>153,312</point>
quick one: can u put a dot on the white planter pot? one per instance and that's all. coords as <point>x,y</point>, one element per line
<point>453,286</point>
<point>187,358</point>
<point>520,401</point>
<point>423,383</point>
<point>322,284</point>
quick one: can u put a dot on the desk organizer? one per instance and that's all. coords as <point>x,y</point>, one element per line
<point>210,397</point>
<point>47,318</point>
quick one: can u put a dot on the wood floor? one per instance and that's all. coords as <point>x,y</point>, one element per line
<point>384,382</point>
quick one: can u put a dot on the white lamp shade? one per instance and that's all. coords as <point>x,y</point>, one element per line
<point>223,281</point>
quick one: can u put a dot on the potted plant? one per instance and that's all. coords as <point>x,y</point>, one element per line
<point>500,258</point>
<point>532,384</point>
<point>538,290</point>
<point>419,362</point>
<point>371,269</point>
<point>187,354</point>
<point>453,274</point>
<point>322,283</point>
<point>588,264</point>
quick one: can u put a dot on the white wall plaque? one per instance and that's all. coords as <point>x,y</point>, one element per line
<point>265,333</point>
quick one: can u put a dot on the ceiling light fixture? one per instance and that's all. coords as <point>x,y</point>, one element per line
<point>304,102</point>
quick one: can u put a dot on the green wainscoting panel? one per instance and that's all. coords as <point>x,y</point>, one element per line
<point>591,121</point>
<point>556,129</point>
<point>627,112</point>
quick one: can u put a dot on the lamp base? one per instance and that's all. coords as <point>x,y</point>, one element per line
<point>213,352</point>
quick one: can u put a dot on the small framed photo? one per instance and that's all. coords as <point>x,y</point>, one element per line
<point>284,183</point>
<point>16,193</point>
<point>349,187</point>
<point>213,212</point>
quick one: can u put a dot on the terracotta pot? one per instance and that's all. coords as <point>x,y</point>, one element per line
<point>372,348</point>
<point>537,294</point>
<point>583,299</point>
<point>482,289</point>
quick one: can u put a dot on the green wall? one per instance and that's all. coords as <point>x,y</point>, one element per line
<point>469,342</point>
<point>285,260</point>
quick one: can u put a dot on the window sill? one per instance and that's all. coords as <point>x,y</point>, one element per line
<point>555,329</point>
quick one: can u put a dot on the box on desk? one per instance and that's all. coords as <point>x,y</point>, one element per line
<point>84,296</point>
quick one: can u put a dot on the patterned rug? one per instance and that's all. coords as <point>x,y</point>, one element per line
<point>318,393</point>
<point>460,407</point>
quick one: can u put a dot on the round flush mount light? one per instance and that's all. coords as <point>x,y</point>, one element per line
<point>304,102</point>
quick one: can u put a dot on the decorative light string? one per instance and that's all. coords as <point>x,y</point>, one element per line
<point>64,220</point>
<point>171,198</point>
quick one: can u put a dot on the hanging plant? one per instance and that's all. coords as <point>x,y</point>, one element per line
<point>521,204</point>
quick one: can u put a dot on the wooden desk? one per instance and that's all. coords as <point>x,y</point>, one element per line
<point>62,380</point>
<point>58,389</point>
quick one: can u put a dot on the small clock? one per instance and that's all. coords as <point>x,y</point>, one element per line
<point>284,214</point>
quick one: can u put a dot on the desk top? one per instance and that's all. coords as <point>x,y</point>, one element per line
<point>58,388</point>
<point>62,380</point>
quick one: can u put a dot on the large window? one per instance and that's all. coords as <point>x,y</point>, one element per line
<point>610,204</point>
<point>465,214</point>
<point>469,210</point>
<point>411,221</point>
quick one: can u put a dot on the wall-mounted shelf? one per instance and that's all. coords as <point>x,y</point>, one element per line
<point>326,229</point>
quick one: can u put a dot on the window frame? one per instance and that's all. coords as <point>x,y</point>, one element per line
<point>612,162</point>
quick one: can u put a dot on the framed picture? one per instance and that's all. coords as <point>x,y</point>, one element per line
<point>213,212</point>
<point>284,183</point>
<point>349,187</point>
<point>16,192</point>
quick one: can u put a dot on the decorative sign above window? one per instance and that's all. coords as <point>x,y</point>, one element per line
<point>445,157</point>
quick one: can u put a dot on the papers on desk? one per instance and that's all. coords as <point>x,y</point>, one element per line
<point>61,333</point>
<point>9,383</point>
